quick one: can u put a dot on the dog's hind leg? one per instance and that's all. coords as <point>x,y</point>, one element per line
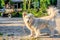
<point>58,31</point>
<point>42,26</point>
<point>52,32</point>
<point>35,32</point>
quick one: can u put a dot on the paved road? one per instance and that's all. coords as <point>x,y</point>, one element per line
<point>16,26</point>
<point>11,22</point>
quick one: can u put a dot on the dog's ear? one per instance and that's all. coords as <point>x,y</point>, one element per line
<point>24,13</point>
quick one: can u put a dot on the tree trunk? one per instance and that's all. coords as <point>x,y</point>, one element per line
<point>24,5</point>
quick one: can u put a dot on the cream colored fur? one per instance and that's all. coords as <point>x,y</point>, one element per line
<point>35,31</point>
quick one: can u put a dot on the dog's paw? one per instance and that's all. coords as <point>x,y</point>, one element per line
<point>36,36</point>
<point>31,35</point>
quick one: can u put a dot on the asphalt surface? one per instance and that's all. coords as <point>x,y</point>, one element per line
<point>17,27</point>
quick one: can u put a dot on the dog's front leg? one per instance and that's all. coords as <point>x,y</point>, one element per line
<point>32,34</point>
<point>37,32</point>
<point>32,30</point>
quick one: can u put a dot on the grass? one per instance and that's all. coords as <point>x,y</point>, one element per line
<point>29,38</point>
<point>34,38</point>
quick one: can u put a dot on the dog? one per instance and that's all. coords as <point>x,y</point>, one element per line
<point>36,24</point>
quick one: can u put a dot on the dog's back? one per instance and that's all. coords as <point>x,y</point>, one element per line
<point>37,22</point>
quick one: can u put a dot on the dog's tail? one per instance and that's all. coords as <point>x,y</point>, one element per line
<point>51,12</point>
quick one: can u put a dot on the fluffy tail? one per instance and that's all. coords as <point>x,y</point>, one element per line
<point>51,12</point>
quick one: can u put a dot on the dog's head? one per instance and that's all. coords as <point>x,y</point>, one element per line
<point>28,17</point>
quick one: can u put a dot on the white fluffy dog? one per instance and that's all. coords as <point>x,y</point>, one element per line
<point>36,24</point>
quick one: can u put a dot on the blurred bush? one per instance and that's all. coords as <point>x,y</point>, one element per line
<point>40,11</point>
<point>16,14</point>
<point>2,4</point>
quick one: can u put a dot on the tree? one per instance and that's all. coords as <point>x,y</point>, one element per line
<point>24,5</point>
<point>2,3</point>
<point>36,4</point>
<point>39,12</point>
<point>44,4</point>
<point>39,7</point>
<point>29,3</point>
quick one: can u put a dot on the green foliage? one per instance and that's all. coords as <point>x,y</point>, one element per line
<point>24,5</point>
<point>16,14</point>
<point>20,14</point>
<point>2,4</point>
<point>11,2</point>
<point>37,13</point>
<point>43,6</point>
<point>42,10</point>
<point>13,14</point>
<point>36,4</point>
<point>29,5</point>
